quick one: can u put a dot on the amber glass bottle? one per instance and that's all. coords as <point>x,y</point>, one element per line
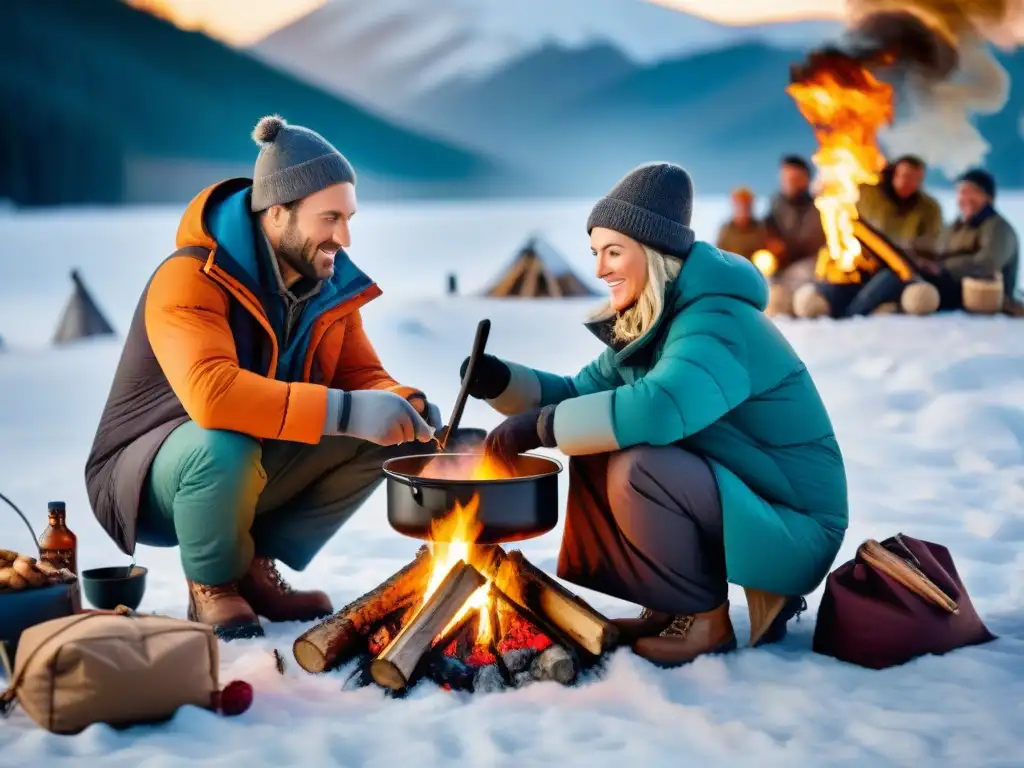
<point>58,545</point>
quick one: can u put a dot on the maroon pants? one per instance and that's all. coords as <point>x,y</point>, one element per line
<point>645,525</point>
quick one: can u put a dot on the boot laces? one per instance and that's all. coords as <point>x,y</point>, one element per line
<point>802,608</point>
<point>680,627</point>
<point>269,567</point>
<point>217,590</point>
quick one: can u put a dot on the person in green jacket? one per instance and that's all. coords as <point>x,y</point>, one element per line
<point>899,208</point>
<point>700,450</point>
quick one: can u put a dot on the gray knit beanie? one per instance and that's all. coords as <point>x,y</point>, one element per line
<point>293,162</point>
<point>652,204</point>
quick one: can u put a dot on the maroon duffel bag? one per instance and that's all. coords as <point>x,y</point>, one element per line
<point>896,600</point>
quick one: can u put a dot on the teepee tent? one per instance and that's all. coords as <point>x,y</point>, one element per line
<point>537,271</point>
<point>81,317</point>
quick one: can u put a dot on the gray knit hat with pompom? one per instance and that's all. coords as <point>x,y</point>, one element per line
<point>294,162</point>
<point>652,204</point>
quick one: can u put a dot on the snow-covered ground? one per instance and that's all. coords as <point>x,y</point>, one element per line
<point>929,413</point>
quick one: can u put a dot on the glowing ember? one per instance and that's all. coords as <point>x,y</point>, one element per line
<point>765,261</point>
<point>452,540</point>
<point>846,105</point>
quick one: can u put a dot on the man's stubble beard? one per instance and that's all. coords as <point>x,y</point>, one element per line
<point>297,253</point>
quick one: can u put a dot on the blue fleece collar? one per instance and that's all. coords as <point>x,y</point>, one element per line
<point>233,226</point>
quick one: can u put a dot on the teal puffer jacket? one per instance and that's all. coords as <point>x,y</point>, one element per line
<point>715,376</point>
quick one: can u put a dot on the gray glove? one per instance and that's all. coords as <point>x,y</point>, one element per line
<point>432,412</point>
<point>375,415</point>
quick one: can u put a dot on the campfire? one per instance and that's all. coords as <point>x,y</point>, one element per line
<point>468,616</point>
<point>846,105</point>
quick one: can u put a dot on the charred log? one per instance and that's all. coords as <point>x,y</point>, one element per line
<point>536,593</point>
<point>345,635</point>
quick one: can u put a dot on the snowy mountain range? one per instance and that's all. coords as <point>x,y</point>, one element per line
<point>574,92</point>
<point>387,53</point>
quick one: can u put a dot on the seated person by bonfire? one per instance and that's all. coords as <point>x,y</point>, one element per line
<point>970,264</point>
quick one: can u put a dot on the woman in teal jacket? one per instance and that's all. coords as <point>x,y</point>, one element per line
<point>701,452</point>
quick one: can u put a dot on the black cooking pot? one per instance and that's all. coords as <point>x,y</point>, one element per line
<point>509,509</point>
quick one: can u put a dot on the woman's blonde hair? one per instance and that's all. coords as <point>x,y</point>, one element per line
<point>634,321</point>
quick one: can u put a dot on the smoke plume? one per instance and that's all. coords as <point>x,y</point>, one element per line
<point>937,54</point>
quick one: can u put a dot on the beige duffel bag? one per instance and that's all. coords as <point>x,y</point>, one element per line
<point>105,667</point>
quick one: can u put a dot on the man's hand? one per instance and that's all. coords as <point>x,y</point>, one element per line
<point>382,417</point>
<point>515,435</point>
<point>430,412</point>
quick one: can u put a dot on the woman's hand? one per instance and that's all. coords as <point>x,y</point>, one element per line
<point>515,435</point>
<point>490,377</point>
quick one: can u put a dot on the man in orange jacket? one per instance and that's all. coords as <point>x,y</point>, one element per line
<point>249,415</point>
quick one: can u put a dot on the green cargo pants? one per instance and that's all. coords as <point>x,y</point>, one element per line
<point>222,497</point>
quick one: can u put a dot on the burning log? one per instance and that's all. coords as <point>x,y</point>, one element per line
<point>396,663</point>
<point>445,616</point>
<point>344,635</point>
<point>532,589</point>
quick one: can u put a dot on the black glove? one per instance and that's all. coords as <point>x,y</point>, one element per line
<point>521,433</point>
<point>490,377</point>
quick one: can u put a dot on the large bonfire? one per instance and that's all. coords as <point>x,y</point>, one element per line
<point>846,105</point>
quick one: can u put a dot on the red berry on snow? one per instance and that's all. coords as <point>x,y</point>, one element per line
<point>235,699</point>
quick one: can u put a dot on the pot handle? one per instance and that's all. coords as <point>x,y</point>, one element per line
<point>12,505</point>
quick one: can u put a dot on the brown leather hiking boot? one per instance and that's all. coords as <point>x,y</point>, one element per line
<point>224,609</point>
<point>688,637</point>
<point>276,600</point>
<point>648,624</point>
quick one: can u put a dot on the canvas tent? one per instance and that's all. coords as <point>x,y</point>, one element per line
<point>538,271</point>
<point>81,317</point>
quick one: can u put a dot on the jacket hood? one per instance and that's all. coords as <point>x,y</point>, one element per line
<point>194,229</point>
<point>707,271</point>
<point>219,219</point>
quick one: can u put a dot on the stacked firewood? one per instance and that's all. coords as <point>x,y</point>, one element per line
<point>18,571</point>
<point>538,629</point>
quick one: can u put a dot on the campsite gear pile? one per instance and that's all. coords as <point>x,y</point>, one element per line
<point>118,668</point>
<point>34,589</point>
<point>894,601</point>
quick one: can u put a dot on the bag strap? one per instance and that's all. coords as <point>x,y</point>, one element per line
<point>906,572</point>
<point>9,697</point>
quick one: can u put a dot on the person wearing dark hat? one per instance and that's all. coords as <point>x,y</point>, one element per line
<point>700,451</point>
<point>795,233</point>
<point>249,415</point>
<point>980,243</point>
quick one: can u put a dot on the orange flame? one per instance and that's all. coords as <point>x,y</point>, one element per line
<point>846,105</point>
<point>765,261</point>
<point>452,540</point>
